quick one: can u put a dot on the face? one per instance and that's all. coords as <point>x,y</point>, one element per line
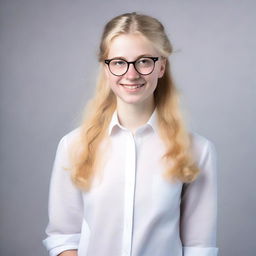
<point>130,47</point>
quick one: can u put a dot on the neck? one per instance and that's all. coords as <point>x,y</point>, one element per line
<point>132,116</point>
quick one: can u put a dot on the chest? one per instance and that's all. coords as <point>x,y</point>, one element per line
<point>132,170</point>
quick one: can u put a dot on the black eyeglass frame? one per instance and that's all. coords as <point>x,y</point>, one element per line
<point>107,61</point>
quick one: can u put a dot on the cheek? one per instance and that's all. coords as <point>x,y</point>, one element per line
<point>113,82</point>
<point>160,71</point>
<point>154,80</point>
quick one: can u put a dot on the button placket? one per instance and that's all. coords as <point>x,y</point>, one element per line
<point>130,175</point>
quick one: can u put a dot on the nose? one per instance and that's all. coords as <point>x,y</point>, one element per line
<point>132,72</point>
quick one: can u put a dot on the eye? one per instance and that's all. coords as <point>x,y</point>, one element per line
<point>118,63</point>
<point>144,62</point>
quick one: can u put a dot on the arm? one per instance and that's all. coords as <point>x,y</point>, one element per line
<point>69,253</point>
<point>65,208</point>
<point>198,221</point>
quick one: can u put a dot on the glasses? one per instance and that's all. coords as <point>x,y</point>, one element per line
<point>143,65</point>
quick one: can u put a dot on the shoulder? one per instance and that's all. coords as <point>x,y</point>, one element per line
<point>201,146</point>
<point>71,136</point>
<point>67,141</point>
<point>65,145</point>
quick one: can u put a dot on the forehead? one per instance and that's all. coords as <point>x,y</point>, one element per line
<point>130,46</point>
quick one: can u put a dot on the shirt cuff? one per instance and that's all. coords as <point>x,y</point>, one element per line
<point>200,251</point>
<point>56,244</point>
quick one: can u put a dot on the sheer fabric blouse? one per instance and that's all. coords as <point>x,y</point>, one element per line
<point>131,209</point>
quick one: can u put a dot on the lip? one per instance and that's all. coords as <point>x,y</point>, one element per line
<point>132,90</point>
<point>132,84</point>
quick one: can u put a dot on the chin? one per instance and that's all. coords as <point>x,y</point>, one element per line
<point>130,100</point>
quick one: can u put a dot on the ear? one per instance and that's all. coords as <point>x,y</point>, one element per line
<point>162,67</point>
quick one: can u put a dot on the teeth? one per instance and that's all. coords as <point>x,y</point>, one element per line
<point>133,86</point>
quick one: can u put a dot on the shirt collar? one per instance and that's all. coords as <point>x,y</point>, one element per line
<point>115,122</point>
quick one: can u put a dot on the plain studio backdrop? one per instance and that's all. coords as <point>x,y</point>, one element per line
<point>48,72</point>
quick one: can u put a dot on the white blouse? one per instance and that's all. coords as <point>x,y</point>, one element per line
<point>131,209</point>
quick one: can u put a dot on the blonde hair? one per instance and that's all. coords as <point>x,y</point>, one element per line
<point>99,110</point>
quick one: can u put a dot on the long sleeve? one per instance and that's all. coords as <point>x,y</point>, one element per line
<point>198,223</point>
<point>65,207</point>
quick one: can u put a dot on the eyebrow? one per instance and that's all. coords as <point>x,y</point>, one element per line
<point>142,55</point>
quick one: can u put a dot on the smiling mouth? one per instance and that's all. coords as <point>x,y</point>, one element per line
<point>132,86</point>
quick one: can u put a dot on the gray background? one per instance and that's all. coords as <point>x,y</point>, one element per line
<point>48,68</point>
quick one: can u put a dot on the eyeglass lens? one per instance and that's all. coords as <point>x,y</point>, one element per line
<point>143,65</point>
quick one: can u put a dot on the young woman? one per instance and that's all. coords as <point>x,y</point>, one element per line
<point>131,180</point>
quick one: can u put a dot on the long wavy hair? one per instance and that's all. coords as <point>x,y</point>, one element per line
<point>85,151</point>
